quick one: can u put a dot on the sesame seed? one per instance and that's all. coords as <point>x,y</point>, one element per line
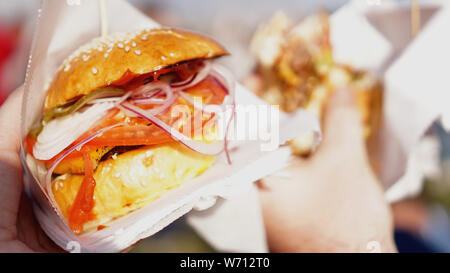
<point>85,57</point>
<point>133,44</point>
<point>103,44</point>
<point>137,51</point>
<point>171,54</point>
<point>127,49</point>
<point>94,70</point>
<point>163,58</point>
<point>105,55</point>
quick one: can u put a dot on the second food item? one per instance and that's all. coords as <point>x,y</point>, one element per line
<point>295,69</point>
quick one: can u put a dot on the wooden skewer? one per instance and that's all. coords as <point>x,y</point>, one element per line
<point>103,18</point>
<point>415,18</point>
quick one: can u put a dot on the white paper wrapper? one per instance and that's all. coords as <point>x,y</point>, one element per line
<point>246,232</point>
<point>64,26</point>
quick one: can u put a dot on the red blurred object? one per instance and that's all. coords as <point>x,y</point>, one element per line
<point>8,42</point>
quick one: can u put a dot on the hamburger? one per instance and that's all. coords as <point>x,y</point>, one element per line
<point>295,69</point>
<point>127,118</point>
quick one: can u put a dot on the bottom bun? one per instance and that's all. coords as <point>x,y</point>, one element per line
<point>133,179</point>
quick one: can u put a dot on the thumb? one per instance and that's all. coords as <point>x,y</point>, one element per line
<point>10,168</point>
<point>10,113</point>
<point>342,127</point>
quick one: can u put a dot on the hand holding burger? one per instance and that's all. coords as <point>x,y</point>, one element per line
<point>331,201</point>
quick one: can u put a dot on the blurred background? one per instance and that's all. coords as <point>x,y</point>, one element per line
<point>422,223</point>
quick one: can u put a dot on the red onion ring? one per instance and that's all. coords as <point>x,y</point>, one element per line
<point>227,153</point>
<point>224,77</point>
<point>200,76</point>
<point>144,89</point>
<point>149,99</point>
<point>148,96</point>
<point>208,108</point>
<point>185,82</point>
<point>166,103</point>
<point>123,98</point>
<point>192,101</point>
<point>204,148</point>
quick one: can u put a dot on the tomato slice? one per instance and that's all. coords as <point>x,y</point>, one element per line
<point>209,89</point>
<point>29,143</point>
<point>130,136</point>
<point>81,210</point>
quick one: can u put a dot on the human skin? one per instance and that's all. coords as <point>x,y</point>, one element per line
<point>331,201</point>
<point>19,230</point>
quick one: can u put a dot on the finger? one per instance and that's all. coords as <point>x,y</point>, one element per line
<point>10,170</point>
<point>342,126</point>
<point>10,113</point>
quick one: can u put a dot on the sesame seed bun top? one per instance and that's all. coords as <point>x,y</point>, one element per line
<point>105,60</point>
